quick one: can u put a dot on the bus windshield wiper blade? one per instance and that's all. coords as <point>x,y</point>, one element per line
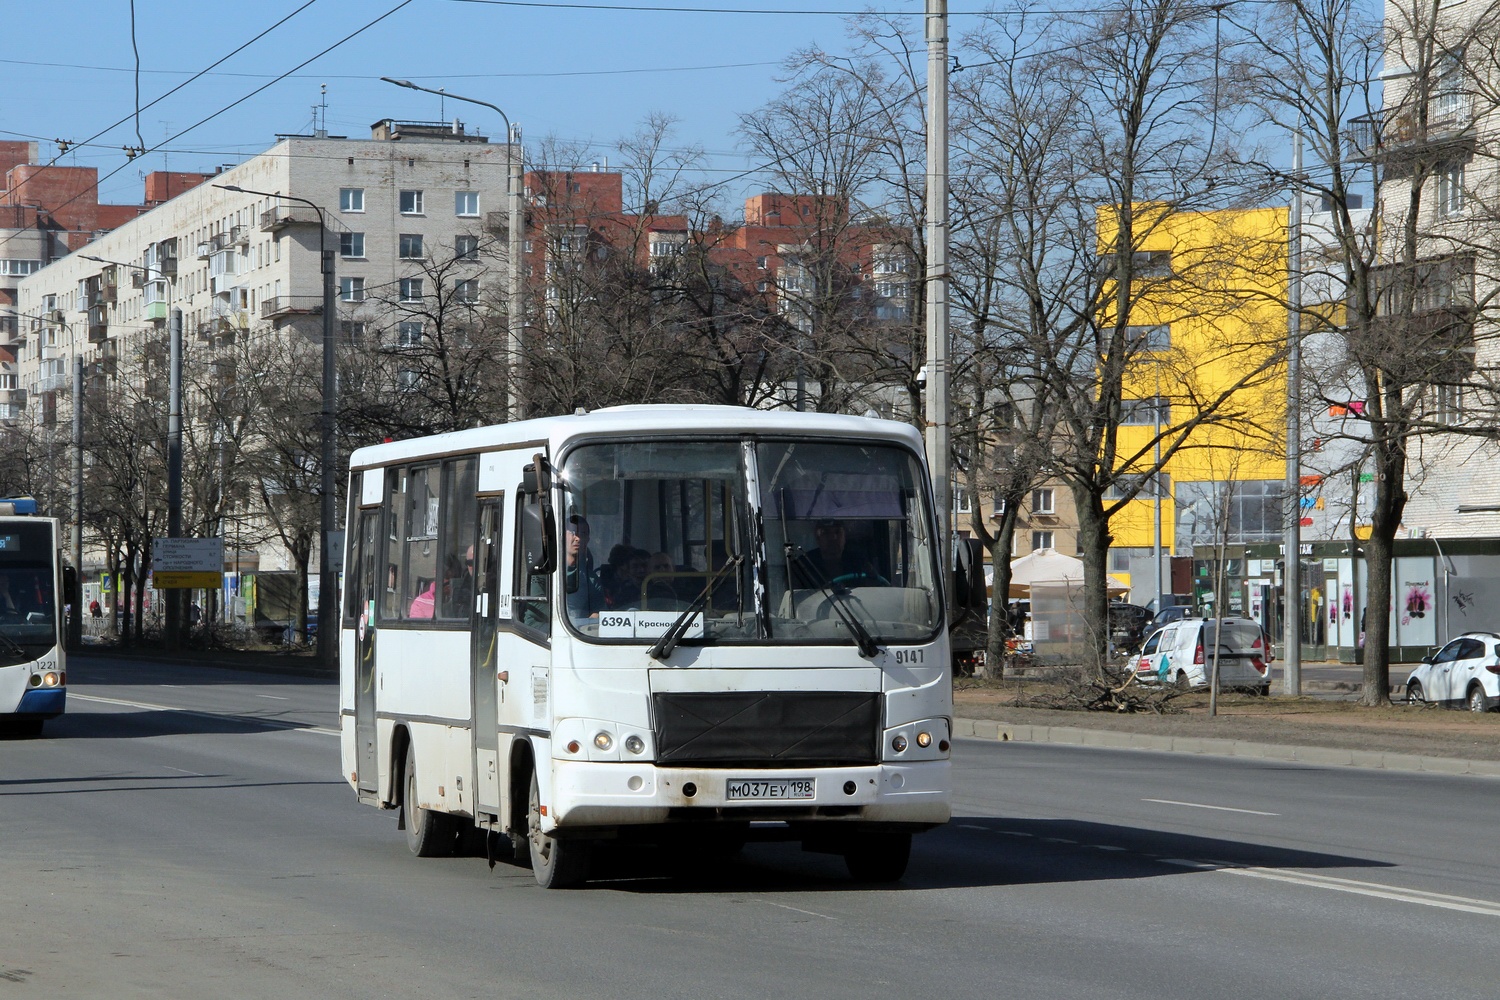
<point>663,647</point>
<point>14,646</point>
<point>836,599</point>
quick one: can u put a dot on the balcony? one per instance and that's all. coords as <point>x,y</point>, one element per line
<point>10,330</point>
<point>287,215</point>
<point>156,311</point>
<point>98,324</point>
<point>52,383</point>
<point>282,306</point>
<point>14,398</point>
<point>1399,137</point>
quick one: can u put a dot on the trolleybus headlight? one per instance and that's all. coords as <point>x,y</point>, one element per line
<point>634,744</point>
<point>50,680</point>
<point>924,740</point>
<point>603,740</point>
<point>898,744</point>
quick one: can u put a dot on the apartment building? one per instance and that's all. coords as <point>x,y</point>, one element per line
<point>241,260</point>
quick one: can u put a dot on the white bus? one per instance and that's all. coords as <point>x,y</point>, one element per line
<point>33,668</point>
<point>680,624</point>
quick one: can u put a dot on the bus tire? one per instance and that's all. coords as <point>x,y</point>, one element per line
<point>878,857</point>
<point>428,834</point>
<point>556,863</point>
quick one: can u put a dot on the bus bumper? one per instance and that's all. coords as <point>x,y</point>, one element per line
<point>42,704</point>
<point>603,794</point>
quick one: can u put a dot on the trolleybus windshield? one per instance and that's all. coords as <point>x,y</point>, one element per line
<point>28,598</point>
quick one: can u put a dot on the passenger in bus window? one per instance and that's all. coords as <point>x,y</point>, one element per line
<point>425,602</point>
<point>580,580</point>
<point>458,585</point>
<point>624,587</point>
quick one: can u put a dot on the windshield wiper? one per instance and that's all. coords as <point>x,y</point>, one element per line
<point>13,646</point>
<point>663,647</point>
<point>836,599</point>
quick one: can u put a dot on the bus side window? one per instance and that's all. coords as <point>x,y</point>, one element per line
<point>533,591</point>
<point>395,507</point>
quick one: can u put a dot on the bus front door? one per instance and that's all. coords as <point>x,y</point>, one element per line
<point>362,583</point>
<point>486,680</point>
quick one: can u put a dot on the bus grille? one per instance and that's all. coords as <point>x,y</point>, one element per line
<point>767,728</point>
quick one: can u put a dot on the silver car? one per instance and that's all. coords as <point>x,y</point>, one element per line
<point>1464,672</point>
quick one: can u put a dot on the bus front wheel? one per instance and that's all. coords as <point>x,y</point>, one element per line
<point>878,857</point>
<point>428,834</point>
<point>556,863</point>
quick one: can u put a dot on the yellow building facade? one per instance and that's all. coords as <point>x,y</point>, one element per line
<point>1205,384</point>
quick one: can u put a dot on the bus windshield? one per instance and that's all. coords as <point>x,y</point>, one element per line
<point>28,601</point>
<point>774,540</point>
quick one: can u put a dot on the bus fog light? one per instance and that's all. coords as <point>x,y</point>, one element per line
<point>36,680</point>
<point>636,783</point>
<point>634,744</point>
<point>924,740</point>
<point>603,741</point>
<point>899,744</point>
<point>573,746</point>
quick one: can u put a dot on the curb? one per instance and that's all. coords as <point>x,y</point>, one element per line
<point>991,729</point>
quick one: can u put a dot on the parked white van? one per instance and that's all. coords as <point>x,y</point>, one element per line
<point>1181,653</point>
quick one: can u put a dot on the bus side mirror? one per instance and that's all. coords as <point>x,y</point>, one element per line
<point>71,593</point>
<point>538,537</point>
<point>968,576</point>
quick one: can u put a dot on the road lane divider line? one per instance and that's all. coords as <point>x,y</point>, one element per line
<point>1201,805</point>
<point>273,697</point>
<point>218,716</point>
<point>794,909</point>
<point>1375,890</point>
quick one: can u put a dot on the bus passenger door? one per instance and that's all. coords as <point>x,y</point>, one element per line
<point>362,584</point>
<point>486,680</point>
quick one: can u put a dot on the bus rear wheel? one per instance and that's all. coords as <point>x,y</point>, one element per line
<point>557,863</point>
<point>428,834</point>
<point>878,857</point>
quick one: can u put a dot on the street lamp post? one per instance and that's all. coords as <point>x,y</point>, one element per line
<point>327,642</point>
<point>516,304</point>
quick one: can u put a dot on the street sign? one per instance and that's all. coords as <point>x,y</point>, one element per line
<point>187,563</point>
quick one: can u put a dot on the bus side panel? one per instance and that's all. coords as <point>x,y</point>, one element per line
<point>443,758</point>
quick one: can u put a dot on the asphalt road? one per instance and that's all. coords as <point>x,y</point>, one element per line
<point>185,833</point>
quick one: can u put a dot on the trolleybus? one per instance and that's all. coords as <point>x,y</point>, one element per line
<point>680,624</point>
<point>33,671</point>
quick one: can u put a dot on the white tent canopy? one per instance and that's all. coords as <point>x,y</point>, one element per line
<point>1047,566</point>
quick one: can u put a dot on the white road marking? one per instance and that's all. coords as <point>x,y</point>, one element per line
<point>196,774</point>
<point>1200,805</point>
<point>273,697</point>
<point>152,707</point>
<point>970,826</point>
<point>1462,904</point>
<point>794,909</point>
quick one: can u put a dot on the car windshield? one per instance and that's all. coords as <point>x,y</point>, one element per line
<point>780,541</point>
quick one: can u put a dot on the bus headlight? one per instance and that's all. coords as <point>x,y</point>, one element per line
<point>634,744</point>
<point>898,744</point>
<point>50,679</point>
<point>603,740</point>
<point>924,740</point>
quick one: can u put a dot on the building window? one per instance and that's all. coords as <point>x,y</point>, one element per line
<point>891,289</point>
<point>408,334</point>
<point>1042,501</point>
<point>7,381</point>
<point>1140,487</point>
<point>1041,540</point>
<point>13,267</point>
<point>760,262</point>
<point>411,203</point>
<point>466,248</point>
<point>351,199</point>
<point>466,290</point>
<point>1234,512</point>
<point>762,286</point>
<point>1448,403</point>
<point>1450,189</point>
<point>961,504</point>
<point>411,246</point>
<point>353,330</point>
<point>352,289</point>
<point>351,244</point>
<point>407,379</point>
<point>466,203</point>
<point>1154,412</point>
<point>411,289</point>
<point>1149,338</point>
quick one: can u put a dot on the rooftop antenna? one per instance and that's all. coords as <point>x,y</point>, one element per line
<point>322,130</point>
<point>442,104</point>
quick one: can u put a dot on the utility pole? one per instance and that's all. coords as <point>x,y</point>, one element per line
<point>1292,575</point>
<point>174,469</point>
<point>75,624</point>
<point>938,456</point>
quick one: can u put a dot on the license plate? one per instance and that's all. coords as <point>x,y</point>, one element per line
<point>770,788</point>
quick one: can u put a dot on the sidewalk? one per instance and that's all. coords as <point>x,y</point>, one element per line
<point>991,729</point>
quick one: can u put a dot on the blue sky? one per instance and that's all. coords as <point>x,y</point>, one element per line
<point>582,75</point>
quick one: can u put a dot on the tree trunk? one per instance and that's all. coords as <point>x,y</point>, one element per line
<point>1093,541</point>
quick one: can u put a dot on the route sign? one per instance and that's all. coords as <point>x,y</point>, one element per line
<point>187,563</point>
